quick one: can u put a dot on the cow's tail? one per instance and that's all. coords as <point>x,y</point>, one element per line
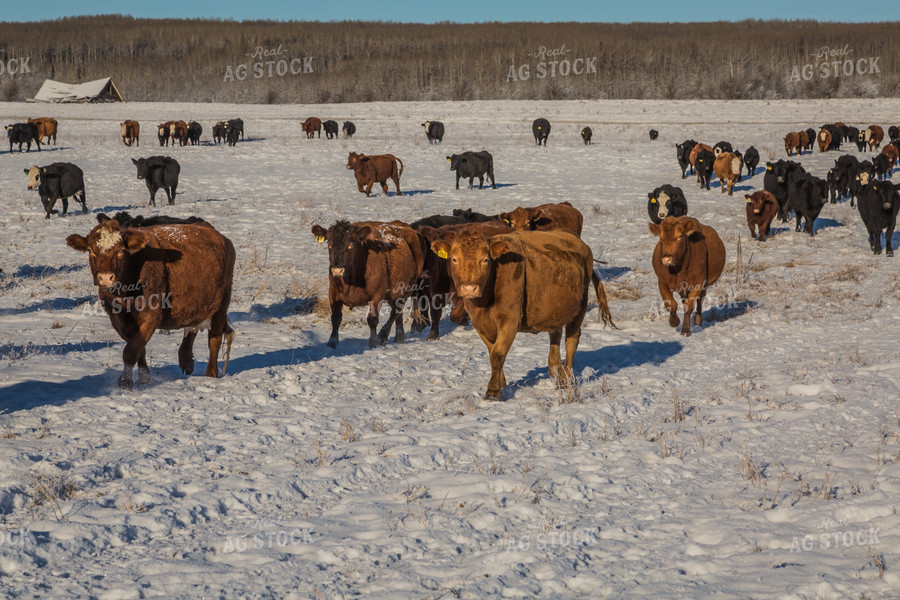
<point>229,337</point>
<point>400,174</point>
<point>602,305</point>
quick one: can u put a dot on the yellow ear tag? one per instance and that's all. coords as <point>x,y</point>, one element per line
<point>320,239</point>
<point>507,221</point>
<point>749,200</point>
<point>652,200</point>
<point>442,253</point>
<point>768,168</point>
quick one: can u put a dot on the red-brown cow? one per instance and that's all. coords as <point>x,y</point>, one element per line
<point>874,135</point>
<point>46,128</point>
<point>761,209</point>
<point>311,126</point>
<point>131,133</point>
<point>436,286</point>
<point>369,263</point>
<point>793,142</point>
<point>893,155</point>
<point>377,168</point>
<point>728,167</point>
<point>688,258</point>
<point>529,281</point>
<point>178,130</point>
<point>804,141</point>
<point>162,277</point>
<point>824,140</point>
<point>546,217</point>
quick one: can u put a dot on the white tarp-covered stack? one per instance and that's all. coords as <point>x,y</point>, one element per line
<point>101,90</point>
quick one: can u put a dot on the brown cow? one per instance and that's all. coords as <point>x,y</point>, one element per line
<point>528,281</point>
<point>893,154</point>
<point>546,217</point>
<point>131,133</point>
<point>162,132</point>
<point>435,285</point>
<point>688,258</point>
<point>761,209</point>
<point>178,130</point>
<point>46,128</point>
<point>728,167</point>
<point>371,262</point>
<point>874,135</point>
<point>792,141</point>
<point>369,169</point>
<point>694,152</point>
<point>804,140</point>
<point>824,140</point>
<point>311,126</point>
<point>162,277</point>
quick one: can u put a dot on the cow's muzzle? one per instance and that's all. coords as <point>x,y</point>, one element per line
<point>30,187</point>
<point>668,261</point>
<point>337,271</point>
<point>469,290</point>
<point>106,279</point>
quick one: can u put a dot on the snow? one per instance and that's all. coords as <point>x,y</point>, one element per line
<point>758,458</point>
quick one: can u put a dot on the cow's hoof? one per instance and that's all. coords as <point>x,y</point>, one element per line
<point>332,343</point>
<point>673,321</point>
<point>493,395</point>
<point>889,253</point>
<point>187,368</point>
<point>373,342</point>
<point>125,382</point>
<point>686,332</point>
<point>433,335</point>
<point>399,339</point>
<point>144,377</point>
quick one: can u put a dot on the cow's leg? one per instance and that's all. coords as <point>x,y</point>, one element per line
<point>174,193</point>
<point>457,180</point>
<point>498,351</point>
<point>384,187</point>
<point>722,185</point>
<point>397,310</point>
<point>218,329</point>
<point>888,233</point>
<point>553,361</point>
<point>186,351</point>
<point>670,304</point>
<point>372,321</point>
<point>368,189</point>
<point>436,308</point>
<point>48,206</point>
<point>753,230</point>
<point>143,368</point>
<point>396,179</point>
<point>65,203</point>
<point>135,352</point>
<point>481,181</point>
<point>698,315</point>
<point>573,335</point>
<point>337,315</point>
<point>493,181</point>
<point>876,240</point>
<point>82,199</point>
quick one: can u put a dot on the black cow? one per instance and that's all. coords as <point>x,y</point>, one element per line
<point>722,147</point>
<point>653,135</point>
<point>807,195</point>
<point>861,144</point>
<point>471,216</point>
<point>705,163</point>
<point>349,129</point>
<point>852,134</point>
<point>837,136</point>
<point>162,134</point>
<point>23,133</point>
<point>471,165</point>
<point>231,135</point>
<point>434,131</point>
<point>541,130</point>
<point>878,204</point>
<point>236,125</point>
<point>58,181</point>
<point>159,172</point>
<point>218,132</point>
<point>840,175</point>
<point>777,181</point>
<point>586,135</point>
<point>437,221</point>
<point>195,130</point>
<point>683,152</point>
<point>125,219</point>
<point>882,166</point>
<point>863,176</point>
<point>810,139</point>
<point>666,201</point>
<point>751,159</point>
<point>331,129</point>
<point>893,133</point>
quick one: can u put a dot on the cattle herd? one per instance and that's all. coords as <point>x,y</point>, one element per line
<point>525,270</point>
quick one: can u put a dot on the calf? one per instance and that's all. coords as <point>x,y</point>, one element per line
<point>751,159</point>
<point>704,165</point>
<point>728,167</point>
<point>377,168</point>
<point>683,153</point>
<point>23,133</point>
<point>473,217</point>
<point>546,217</point>
<point>586,135</point>
<point>761,209</point>
<point>792,143</point>
<point>46,128</point>
<point>218,132</point>
<point>666,201</point>
<point>159,172</point>
<point>58,181</point>
<point>434,131</point>
<point>370,263</point>
<point>874,135</point>
<point>688,258</point>
<point>721,147</point>
<point>541,130</point>
<point>878,205</point>
<point>471,165</point>
<point>528,281</point>
<point>349,129</point>
<point>807,196</point>
<point>194,131</point>
<point>810,139</point>
<point>653,135</point>
<point>162,277</point>
<point>311,127</point>
<point>131,132</point>
<point>331,129</point>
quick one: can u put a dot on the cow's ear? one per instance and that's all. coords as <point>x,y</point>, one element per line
<point>749,199</point>
<point>427,232</point>
<point>135,240</point>
<point>692,229</point>
<point>650,196</point>
<point>102,218</point>
<point>654,229</point>
<point>498,248</point>
<point>505,218</point>
<point>27,171</point>
<point>134,161</point>
<point>441,248</point>
<point>77,242</point>
<point>366,231</point>
<point>320,233</point>
<point>533,220</point>
<point>448,158</point>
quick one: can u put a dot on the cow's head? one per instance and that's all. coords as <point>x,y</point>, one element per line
<point>470,258</point>
<point>781,169</point>
<point>34,177</point>
<point>162,129</point>
<point>661,201</point>
<point>110,249</point>
<point>353,160</point>
<point>455,161</point>
<point>143,167</point>
<point>675,234</point>
<point>427,125</point>
<point>521,219</point>
<point>757,202</point>
<point>345,243</point>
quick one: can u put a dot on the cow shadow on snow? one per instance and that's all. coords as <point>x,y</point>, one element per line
<point>49,304</point>
<point>31,394</point>
<point>35,152</point>
<point>610,273</point>
<point>278,310</point>
<point>605,361</point>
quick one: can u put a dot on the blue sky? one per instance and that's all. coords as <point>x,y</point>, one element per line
<point>468,11</point>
